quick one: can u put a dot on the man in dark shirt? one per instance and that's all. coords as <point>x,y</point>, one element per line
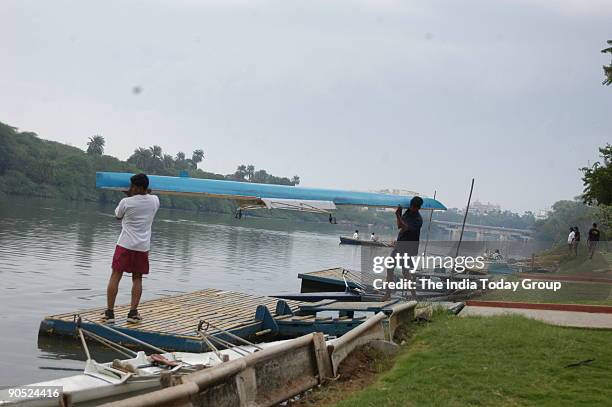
<point>409,224</point>
<point>593,240</point>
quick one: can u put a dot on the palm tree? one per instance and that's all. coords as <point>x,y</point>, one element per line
<point>197,157</point>
<point>295,180</point>
<point>95,145</point>
<point>180,156</point>
<point>168,161</point>
<point>250,170</point>
<point>240,172</point>
<point>156,152</point>
<point>141,158</point>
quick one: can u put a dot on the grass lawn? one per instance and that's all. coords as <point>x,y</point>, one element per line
<point>564,262</point>
<point>494,361</point>
<point>570,293</point>
<point>601,263</point>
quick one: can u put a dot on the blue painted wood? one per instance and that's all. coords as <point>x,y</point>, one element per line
<point>248,190</point>
<point>334,328</point>
<point>282,308</point>
<point>262,313</point>
<point>161,340</point>
<point>348,306</point>
<point>314,297</point>
<point>186,344</point>
<point>164,341</point>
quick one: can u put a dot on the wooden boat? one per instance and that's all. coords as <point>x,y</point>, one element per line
<point>350,240</point>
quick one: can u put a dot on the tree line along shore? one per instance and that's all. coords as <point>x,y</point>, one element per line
<point>32,166</point>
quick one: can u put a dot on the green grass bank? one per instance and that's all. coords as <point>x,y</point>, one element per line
<point>494,361</point>
<point>563,263</point>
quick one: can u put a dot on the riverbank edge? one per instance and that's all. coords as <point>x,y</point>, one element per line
<point>436,366</point>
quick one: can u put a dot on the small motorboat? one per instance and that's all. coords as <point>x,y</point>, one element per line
<point>495,263</point>
<point>377,243</point>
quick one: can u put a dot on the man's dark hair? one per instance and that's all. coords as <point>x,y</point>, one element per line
<point>594,225</point>
<point>140,180</point>
<point>416,201</point>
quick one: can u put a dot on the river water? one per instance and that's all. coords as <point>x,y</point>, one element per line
<point>55,257</point>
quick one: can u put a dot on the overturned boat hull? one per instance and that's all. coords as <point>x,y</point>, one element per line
<point>95,387</point>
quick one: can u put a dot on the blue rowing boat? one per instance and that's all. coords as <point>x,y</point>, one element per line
<point>267,195</point>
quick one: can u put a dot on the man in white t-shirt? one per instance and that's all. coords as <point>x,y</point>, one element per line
<point>570,239</point>
<point>356,235</point>
<point>136,212</point>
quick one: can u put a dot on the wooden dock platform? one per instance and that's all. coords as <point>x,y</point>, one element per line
<point>171,322</point>
<point>332,280</point>
<point>335,280</point>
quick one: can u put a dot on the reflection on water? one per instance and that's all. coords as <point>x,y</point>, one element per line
<point>55,257</point>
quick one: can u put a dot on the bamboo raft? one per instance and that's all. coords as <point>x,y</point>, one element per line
<point>171,322</point>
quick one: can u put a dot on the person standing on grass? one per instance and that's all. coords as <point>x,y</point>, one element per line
<point>593,240</point>
<point>570,240</point>
<point>576,240</point>
<point>136,212</point>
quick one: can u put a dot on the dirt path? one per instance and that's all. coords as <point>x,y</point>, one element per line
<point>605,278</point>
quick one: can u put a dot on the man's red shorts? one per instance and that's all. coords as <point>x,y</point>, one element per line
<point>130,261</point>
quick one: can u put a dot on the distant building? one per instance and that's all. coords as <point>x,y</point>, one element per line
<point>542,213</point>
<point>479,208</point>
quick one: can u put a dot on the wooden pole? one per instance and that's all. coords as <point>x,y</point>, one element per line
<point>429,227</point>
<point>467,208</point>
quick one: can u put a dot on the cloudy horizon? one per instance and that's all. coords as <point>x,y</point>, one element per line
<point>357,94</point>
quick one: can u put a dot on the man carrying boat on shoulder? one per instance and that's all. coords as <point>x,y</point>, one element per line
<point>409,224</point>
<point>136,212</point>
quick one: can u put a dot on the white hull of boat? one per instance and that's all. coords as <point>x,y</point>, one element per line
<point>90,386</point>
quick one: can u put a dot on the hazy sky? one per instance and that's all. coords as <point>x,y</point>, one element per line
<point>368,94</point>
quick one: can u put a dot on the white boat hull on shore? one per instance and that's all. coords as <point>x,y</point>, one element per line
<point>90,386</point>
